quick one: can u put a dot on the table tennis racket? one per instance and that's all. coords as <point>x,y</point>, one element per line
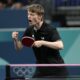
<point>27,41</point>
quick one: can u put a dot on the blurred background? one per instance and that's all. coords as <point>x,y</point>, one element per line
<point>62,14</point>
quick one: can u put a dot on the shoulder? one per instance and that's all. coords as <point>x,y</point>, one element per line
<point>49,27</point>
<point>28,31</point>
<point>29,28</point>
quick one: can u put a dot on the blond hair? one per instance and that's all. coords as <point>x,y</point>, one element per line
<point>36,8</point>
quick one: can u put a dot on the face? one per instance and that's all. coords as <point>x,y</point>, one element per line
<point>34,18</point>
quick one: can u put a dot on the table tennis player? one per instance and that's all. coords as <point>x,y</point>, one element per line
<point>46,45</point>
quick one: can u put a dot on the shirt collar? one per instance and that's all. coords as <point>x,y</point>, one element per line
<point>42,27</point>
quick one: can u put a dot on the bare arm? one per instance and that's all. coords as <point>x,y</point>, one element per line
<point>17,43</point>
<point>55,45</point>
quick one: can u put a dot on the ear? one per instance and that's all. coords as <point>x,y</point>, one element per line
<point>40,17</point>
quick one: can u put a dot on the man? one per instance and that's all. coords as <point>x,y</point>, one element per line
<point>49,6</point>
<point>47,43</point>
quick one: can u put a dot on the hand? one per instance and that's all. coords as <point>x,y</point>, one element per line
<point>38,43</point>
<point>15,35</point>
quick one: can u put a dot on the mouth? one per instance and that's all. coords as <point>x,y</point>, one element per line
<point>30,21</point>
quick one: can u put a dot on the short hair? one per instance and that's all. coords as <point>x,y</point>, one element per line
<point>36,8</point>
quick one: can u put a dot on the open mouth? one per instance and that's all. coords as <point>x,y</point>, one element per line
<point>30,21</point>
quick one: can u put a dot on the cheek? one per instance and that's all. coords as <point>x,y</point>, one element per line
<point>35,20</point>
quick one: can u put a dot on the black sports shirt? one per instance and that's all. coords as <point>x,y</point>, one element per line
<point>44,54</point>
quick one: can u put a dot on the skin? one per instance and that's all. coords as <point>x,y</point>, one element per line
<point>37,21</point>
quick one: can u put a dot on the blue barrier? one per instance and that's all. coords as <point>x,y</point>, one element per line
<point>13,18</point>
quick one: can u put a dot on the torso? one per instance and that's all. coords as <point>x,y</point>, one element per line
<point>45,54</point>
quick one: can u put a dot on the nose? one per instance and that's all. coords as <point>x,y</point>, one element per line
<point>28,16</point>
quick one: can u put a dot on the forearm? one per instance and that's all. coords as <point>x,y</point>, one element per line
<point>54,45</point>
<point>18,45</point>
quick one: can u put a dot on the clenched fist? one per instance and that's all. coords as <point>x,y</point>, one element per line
<point>15,35</point>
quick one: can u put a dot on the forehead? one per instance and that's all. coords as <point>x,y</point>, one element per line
<point>34,13</point>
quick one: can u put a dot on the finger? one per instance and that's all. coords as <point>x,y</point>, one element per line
<point>14,34</point>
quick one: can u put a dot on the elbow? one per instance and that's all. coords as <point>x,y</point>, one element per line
<point>60,45</point>
<point>18,48</point>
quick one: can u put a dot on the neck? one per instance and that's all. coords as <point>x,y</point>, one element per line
<point>38,26</point>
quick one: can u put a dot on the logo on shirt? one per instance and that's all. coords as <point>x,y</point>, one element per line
<point>42,38</point>
<point>33,35</point>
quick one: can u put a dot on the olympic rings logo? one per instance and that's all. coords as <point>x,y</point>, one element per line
<point>27,71</point>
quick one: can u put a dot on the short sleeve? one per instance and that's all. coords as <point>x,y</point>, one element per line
<point>55,35</point>
<point>27,32</point>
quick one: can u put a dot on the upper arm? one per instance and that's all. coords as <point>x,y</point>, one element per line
<point>55,35</point>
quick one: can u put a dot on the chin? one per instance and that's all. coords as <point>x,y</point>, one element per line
<point>30,24</point>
